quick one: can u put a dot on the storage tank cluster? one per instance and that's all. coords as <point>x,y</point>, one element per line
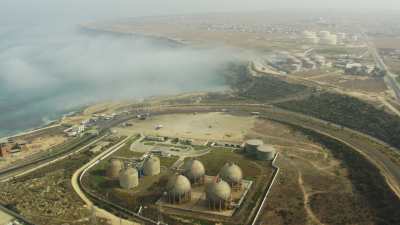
<point>323,37</point>
<point>218,192</point>
<point>259,150</point>
<point>129,177</point>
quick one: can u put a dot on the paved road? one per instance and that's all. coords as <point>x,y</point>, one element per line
<point>76,179</point>
<point>23,170</point>
<point>390,78</point>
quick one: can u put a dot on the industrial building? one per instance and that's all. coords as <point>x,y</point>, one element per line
<point>178,189</point>
<point>265,152</point>
<point>233,175</point>
<point>151,166</point>
<point>129,178</point>
<point>114,169</point>
<point>218,195</point>
<point>195,171</point>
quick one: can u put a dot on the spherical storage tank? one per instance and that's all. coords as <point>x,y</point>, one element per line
<point>232,174</point>
<point>266,152</point>
<point>178,189</point>
<point>129,178</point>
<point>114,169</point>
<point>194,170</point>
<point>251,145</point>
<point>219,195</point>
<point>151,166</point>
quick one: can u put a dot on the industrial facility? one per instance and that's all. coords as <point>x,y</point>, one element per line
<point>324,37</point>
<point>128,173</point>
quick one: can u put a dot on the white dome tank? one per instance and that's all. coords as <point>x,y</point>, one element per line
<point>231,173</point>
<point>194,170</point>
<point>218,191</point>
<point>129,178</point>
<point>178,185</point>
<point>114,169</point>
<point>151,166</point>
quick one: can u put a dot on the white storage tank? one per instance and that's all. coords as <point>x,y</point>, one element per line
<point>151,166</point>
<point>266,152</point>
<point>178,189</point>
<point>114,169</point>
<point>232,174</point>
<point>194,170</point>
<point>129,178</point>
<point>218,195</point>
<point>251,145</point>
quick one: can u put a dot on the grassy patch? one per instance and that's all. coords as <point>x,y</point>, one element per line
<point>168,161</point>
<point>214,161</point>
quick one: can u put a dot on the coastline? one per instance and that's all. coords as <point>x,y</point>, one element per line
<point>97,30</point>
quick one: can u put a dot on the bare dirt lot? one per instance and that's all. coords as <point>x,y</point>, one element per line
<point>210,126</point>
<point>36,145</point>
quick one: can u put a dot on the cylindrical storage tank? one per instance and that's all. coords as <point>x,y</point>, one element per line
<point>218,195</point>
<point>266,152</point>
<point>114,169</point>
<point>251,145</point>
<point>194,170</point>
<point>151,166</point>
<point>178,189</point>
<point>232,174</point>
<point>129,178</point>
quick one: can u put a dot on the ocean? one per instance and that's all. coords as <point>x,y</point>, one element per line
<point>46,72</point>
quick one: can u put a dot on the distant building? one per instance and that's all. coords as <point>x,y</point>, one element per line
<point>4,150</point>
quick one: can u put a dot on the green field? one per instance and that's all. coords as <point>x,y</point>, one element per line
<point>214,161</point>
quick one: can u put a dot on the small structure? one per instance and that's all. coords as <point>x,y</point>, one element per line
<point>155,138</point>
<point>194,170</point>
<point>114,169</point>
<point>265,152</point>
<point>178,189</point>
<point>233,175</point>
<point>151,166</point>
<point>129,178</point>
<point>218,195</point>
<point>4,150</point>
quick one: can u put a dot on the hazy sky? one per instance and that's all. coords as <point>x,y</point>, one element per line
<point>89,9</point>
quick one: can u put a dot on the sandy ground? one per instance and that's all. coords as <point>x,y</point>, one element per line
<point>36,145</point>
<point>207,126</point>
